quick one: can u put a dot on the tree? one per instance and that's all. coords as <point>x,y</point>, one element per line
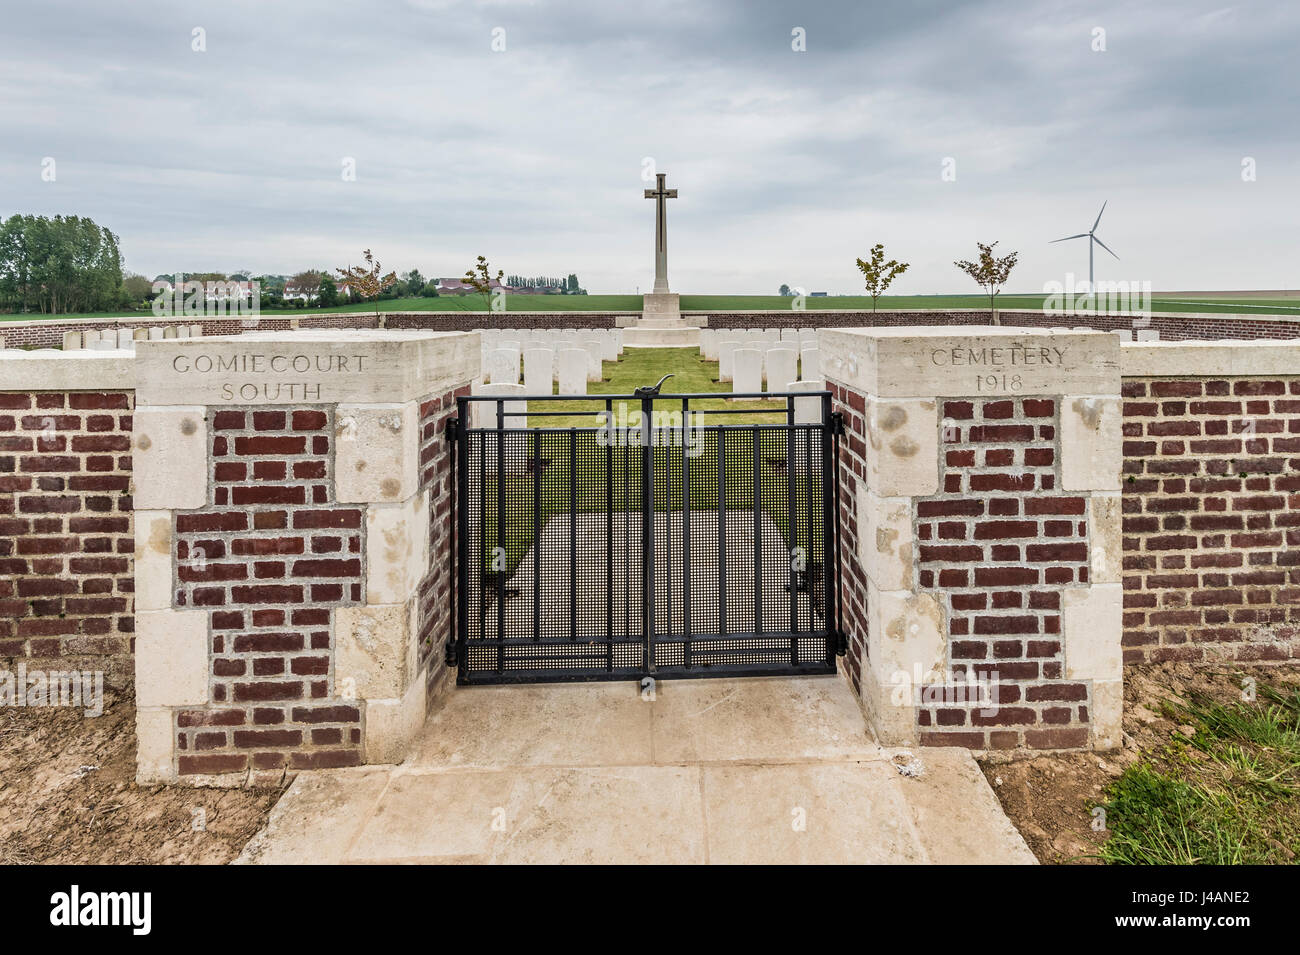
<point>784,290</point>
<point>327,293</point>
<point>990,272</point>
<point>879,273</point>
<point>366,281</point>
<point>413,283</point>
<point>430,290</point>
<point>304,283</point>
<point>136,289</point>
<point>59,264</point>
<point>479,278</point>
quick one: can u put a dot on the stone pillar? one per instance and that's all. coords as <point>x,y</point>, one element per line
<point>292,494</point>
<point>980,516</point>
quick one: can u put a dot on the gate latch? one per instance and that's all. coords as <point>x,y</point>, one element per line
<point>449,429</point>
<point>837,422</point>
<point>651,391</point>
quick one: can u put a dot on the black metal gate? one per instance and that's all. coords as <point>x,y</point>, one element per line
<point>590,546</point>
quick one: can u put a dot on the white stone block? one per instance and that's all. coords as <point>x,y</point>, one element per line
<point>790,336</point>
<point>807,410</point>
<point>376,452</point>
<point>169,448</point>
<point>571,365</point>
<point>1091,627</point>
<point>608,347</point>
<point>196,331</point>
<point>171,657</point>
<point>392,724</point>
<point>155,744</point>
<point>886,548</point>
<point>709,344</point>
<point>371,648</point>
<point>154,584</point>
<point>156,333</point>
<point>1091,443</point>
<point>71,340</point>
<point>1105,528</point>
<point>902,447</point>
<point>397,549</point>
<point>126,338</point>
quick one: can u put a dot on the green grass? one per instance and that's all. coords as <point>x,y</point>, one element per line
<point>611,478</point>
<point>1228,795</point>
<point>727,303</point>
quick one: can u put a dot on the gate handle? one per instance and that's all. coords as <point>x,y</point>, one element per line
<point>652,391</point>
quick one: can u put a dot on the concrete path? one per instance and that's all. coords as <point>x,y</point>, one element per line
<point>775,770</point>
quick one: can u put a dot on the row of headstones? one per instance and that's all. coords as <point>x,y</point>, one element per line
<point>748,358</point>
<point>552,355</point>
<point>108,339</point>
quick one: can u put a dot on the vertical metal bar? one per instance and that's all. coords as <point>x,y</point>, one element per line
<point>501,536</point>
<point>609,535</point>
<point>722,530</point>
<point>792,530</point>
<point>481,556</point>
<point>830,518</point>
<point>686,535</point>
<point>756,503</point>
<point>573,534</point>
<point>537,535</point>
<point>647,535</point>
<point>462,534</point>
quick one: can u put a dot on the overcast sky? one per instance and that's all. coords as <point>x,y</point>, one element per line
<point>789,164</point>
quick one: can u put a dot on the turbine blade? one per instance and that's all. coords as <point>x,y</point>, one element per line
<point>1081,235</point>
<point>1103,209</point>
<point>1103,245</point>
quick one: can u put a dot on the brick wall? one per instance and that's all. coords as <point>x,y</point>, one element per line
<point>1211,514</point>
<point>1172,326</point>
<point>853,584</point>
<point>269,560</point>
<point>997,546</point>
<point>66,535</point>
<point>435,591</point>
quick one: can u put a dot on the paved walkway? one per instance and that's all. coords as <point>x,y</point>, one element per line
<point>775,770</point>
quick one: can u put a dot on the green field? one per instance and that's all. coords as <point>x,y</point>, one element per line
<point>729,303</point>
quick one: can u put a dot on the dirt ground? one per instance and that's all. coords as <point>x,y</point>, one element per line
<point>1050,798</point>
<point>68,795</point>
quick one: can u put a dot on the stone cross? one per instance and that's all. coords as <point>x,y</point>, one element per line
<point>659,194</point>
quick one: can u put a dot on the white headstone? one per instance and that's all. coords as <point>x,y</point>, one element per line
<point>126,338</point>
<point>747,371</point>
<point>782,367</point>
<point>608,347</point>
<point>810,359</point>
<point>807,335</point>
<point>182,331</point>
<point>1123,334</point>
<point>571,367</point>
<point>807,410</point>
<point>502,366</point>
<point>515,446</point>
<point>538,371</point>
<point>595,370</point>
<point>196,331</point>
<point>726,358</point>
<point>789,335</point>
<point>170,332</point>
<point>104,344</point>
<point>709,344</point>
<point>156,333</point>
<point>88,336</point>
<point>1148,334</point>
<point>618,339</point>
<point>71,340</point>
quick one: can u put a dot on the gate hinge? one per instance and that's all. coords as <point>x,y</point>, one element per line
<point>449,429</point>
<point>837,422</point>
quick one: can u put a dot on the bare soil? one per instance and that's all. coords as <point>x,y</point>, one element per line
<point>1050,798</point>
<point>68,795</point>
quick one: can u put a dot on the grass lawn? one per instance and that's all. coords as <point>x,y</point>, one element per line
<point>1226,791</point>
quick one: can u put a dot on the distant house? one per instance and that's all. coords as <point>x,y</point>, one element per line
<point>454,286</point>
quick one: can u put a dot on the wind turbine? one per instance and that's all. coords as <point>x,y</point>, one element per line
<point>1090,235</point>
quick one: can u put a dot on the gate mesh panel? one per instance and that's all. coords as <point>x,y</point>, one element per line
<point>557,528</point>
